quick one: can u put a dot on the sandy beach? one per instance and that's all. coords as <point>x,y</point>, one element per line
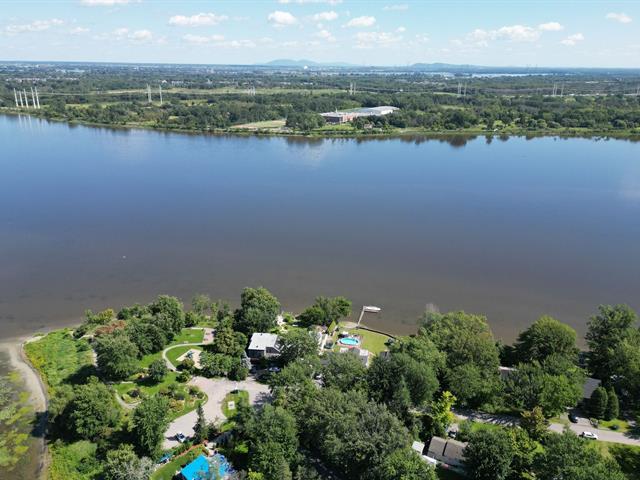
<point>37,394</point>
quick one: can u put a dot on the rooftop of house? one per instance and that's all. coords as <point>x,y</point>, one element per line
<point>590,384</point>
<point>262,341</point>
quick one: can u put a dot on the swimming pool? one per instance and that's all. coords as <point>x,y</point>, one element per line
<point>349,341</point>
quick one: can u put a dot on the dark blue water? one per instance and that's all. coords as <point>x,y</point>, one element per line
<point>91,218</point>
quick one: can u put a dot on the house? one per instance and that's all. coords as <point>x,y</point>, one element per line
<point>590,384</point>
<point>448,451</point>
<point>196,470</point>
<point>264,345</point>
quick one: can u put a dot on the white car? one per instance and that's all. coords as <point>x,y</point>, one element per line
<point>180,437</point>
<point>589,435</point>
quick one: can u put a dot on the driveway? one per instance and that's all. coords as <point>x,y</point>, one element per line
<point>583,425</point>
<point>216,390</point>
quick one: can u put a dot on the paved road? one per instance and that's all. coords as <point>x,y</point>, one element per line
<point>216,390</point>
<point>582,426</point>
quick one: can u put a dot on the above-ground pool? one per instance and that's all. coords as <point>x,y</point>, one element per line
<point>349,341</point>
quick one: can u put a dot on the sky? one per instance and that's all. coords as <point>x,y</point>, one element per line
<point>569,33</point>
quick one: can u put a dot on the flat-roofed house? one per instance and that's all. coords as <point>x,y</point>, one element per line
<point>264,345</point>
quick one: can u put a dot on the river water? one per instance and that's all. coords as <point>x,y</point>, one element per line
<point>91,218</point>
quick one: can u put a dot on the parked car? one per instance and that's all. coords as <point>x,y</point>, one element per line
<point>573,417</point>
<point>180,437</point>
<point>589,435</point>
<point>274,369</point>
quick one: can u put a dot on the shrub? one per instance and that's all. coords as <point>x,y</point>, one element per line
<point>183,377</point>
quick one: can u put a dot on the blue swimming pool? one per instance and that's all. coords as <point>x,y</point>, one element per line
<point>349,341</point>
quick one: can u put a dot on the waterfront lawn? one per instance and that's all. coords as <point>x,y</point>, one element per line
<point>372,341</point>
<point>59,358</point>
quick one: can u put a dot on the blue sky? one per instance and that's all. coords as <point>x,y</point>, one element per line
<point>488,32</point>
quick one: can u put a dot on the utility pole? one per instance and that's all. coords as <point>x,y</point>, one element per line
<point>465,91</point>
<point>26,99</point>
<point>33,98</point>
<point>15,95</point>
<point>37,98</point>
<point>148,93</point>
<point>562,90</point>
<point>160,91</point>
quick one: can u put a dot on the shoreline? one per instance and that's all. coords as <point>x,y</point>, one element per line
<point>342,135</point>
<point>38,397</point>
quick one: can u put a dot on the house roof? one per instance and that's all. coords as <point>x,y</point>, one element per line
<point>262,341</point>
<point>436,447</point>
<point>194,470</point>
<point>590,384</point>
<point>455,450</point>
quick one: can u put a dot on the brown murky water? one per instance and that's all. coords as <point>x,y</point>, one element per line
<point>91,218</point>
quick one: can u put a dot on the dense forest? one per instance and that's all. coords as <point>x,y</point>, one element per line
<point>329,414</point>
<point>210,99</point>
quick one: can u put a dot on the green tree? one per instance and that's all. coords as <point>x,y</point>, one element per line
<point>613,405</point>
<point>117,355</point>
<point>294,385</point>
<point>568,457</point>
<point>534,423</point>
<point>524,450</point>
<point>123,464</point>
<point>606,332</point>
<point>201,304</point>
<point>149,422</point>
<point>227,341</point>
<point>147,336</point>
<point>440,411</point>
<point>546,336</point>
<point>258,311</point>
<point>215,364</point>
<point>273,442</point>
<point>489,454</point>
<point>296,344</point>
<point>344,371</point>
<point>158,370</point>
<point>200,429</point>
<point>405,464</point>
<point>325,311</point>
<point>93,410</point>
<point>171,309</point>
<point>598,403</point>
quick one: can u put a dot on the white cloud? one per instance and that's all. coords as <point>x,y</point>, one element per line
<point>619,17</point>
<point>551,27</point>
<point>376,39</point>
<point>397,7</point>
<point>202,39</point>
<point>106,3</point>
<point>78,30</point>
<point>35,26</point>
<point>141,36</point>
<point>365,21</point>
<point>573,40</point>
<point>326,35</point>
<point>198,20</point>
<point>281,19</point>
<point>513,33</point>
<point>324,16</point>
<point>401,29</point>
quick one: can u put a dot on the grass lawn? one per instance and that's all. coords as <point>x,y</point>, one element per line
<point>242,395</point>
<point>168,471</point>
<point>58,356</point>
<point>188,335</point>
<point>264,124</point>
<point>175,352</point>
<point>75,461</point>
<point>622,425</point>
<point>372,341</point>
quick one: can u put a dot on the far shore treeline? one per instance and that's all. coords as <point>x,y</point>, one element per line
<point>274,101</point>
<point>112,396</point>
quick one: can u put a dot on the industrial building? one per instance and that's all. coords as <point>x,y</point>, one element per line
<point>347,116</point>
